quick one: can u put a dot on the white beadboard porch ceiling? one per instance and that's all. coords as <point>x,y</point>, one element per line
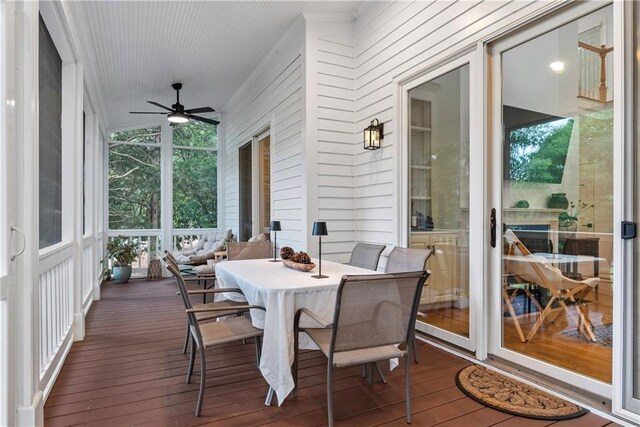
<point>134,50</point>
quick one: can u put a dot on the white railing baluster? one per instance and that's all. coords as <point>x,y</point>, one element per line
<point>56,314</point>
<point>184,237</point>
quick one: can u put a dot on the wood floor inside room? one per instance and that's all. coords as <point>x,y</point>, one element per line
<point>130,370</point>
<point>556,342</point>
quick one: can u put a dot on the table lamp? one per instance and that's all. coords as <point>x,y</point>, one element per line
<point>319,229</point>
<point>275,227</point>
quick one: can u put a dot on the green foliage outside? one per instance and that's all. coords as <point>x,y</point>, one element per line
<point>134,178</point>
<point>195,176</point>
<point>538,153</point>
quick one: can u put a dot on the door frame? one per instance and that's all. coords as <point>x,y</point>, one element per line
<point>9,237</point>
<point>241,208</point>
<point>626,82</point>
<point>476,185</point>
<point>256,184</point>
<point>256,196</point>
<point>493,292</point>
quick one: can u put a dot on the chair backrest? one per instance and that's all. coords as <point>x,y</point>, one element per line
<point>376,310</point>
<point>249,250</point>
<point>182,287</point>
<point>366,255</point>
<point>402,260</point>
<point>534,269</point>
<point>170,259</point>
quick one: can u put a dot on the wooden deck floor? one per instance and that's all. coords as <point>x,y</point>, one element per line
<point>130,370</point>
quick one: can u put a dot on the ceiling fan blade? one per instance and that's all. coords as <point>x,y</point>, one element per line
<point>203,119</point>
<point>159,105</point>
<point>145,112</point>
<point>200,110</point>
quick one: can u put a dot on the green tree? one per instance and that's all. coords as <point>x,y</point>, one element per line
<point>538,153</point>
<point>134,180</point>
<point>195,176</point>
<point>134,177</point>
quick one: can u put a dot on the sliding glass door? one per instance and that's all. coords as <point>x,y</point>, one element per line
<point>630,378</point>
<point>552,135</point>
<point>438,202</point>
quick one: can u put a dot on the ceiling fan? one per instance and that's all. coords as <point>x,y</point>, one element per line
<point>177,114</point>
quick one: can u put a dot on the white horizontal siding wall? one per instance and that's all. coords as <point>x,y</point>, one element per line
<point>272,96</point>
<point>330,131</point>
<point>399,39</point>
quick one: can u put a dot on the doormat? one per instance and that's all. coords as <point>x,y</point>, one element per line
<point>603,333</point>
<point>513,397</point>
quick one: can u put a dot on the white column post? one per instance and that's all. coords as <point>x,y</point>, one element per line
<point>98,178</point>
<point>72,211</point>
<point>28,399</point>
<point>221,222</point>
<point>166,186</point>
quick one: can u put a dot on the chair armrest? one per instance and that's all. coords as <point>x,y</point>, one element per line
<point>235,307</point>
<point>313,316</point>
<point>191,278</point>
<point>195,278</point>
<point>214,291</point>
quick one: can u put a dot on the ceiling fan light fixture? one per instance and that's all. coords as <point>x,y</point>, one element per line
<point>177,118</point>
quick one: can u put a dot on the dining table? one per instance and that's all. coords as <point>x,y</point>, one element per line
<point>282,291</point>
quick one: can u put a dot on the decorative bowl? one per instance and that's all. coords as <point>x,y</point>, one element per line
<point>299,267</point>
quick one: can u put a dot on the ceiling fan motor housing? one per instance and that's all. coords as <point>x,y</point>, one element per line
<point>177,113</point>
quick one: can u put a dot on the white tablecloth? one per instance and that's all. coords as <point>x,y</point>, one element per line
<point>282,291</point>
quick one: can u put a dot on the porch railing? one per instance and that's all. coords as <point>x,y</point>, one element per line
<point>151,245</point>
<point>88,272</point>
<point>56,309</point>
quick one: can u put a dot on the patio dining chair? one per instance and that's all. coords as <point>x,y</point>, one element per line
<point>538,271</point>
<point>223,307</point>
<point>249,250</point>
<point>401,260</point>
<point>205,335</point>
<point>366,255</point>
<point>407,259</point>
<point>373,321</point>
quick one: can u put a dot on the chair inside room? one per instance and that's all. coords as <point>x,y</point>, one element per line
<point>249,250</point>
<point>538,271</point>
<point>373,321</point>
<point>589,246</point>
<point>366,255</point>
<point>222,307</point>
<point>208,334</point>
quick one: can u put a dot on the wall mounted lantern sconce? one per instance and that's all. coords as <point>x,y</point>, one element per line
<point>275,227</point>
<point>373,135</point>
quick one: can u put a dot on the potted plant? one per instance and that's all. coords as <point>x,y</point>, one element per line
<point>122,253</point>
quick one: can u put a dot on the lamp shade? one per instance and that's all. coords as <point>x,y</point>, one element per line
<point>319,229</point>
<point>275,226</point>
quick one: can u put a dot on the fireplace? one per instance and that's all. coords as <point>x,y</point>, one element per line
<point>540,226</point>
<point>536,237</point>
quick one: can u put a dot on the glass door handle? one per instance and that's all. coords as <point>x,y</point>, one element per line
<point>493,227</point>
<point>24,242</point>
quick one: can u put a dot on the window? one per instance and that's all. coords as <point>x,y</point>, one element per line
<point>134,179</point>
<point>50,140</point>
<point>195,172</point>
